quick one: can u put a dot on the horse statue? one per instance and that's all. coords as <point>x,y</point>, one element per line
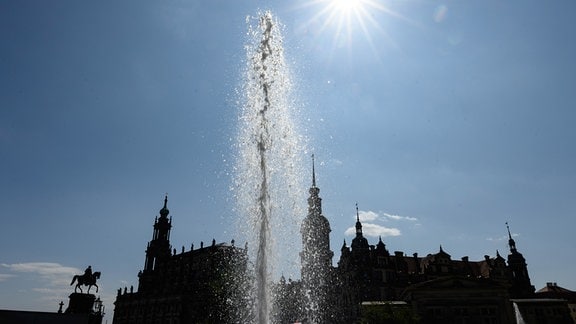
<point>87,279</point>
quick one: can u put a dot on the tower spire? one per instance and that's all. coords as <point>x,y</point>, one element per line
<point>521,286</point>
<point>164,211</point>
<point>358,224</point>
<point>314,201</point>
<point>511,241</point>
<point>159,247</point>
<point>359,243</point>
<point>313,173</point>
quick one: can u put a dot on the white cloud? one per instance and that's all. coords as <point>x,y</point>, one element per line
<point>369,220</point>
<point>42,268</point>
<point>49,272</point>
<point>501,238</point>
<point>367,216</point>
<point>398,217</point>
<point>378,230</point>
<point>350,231</point>
<point>48,283</point>
<point>50,278</point>
<point>375,230</point>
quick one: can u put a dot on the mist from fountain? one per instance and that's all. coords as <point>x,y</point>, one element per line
<point>268,188</point>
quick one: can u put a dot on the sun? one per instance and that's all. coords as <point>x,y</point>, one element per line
<point>348,18</point>
<point>346,6</point>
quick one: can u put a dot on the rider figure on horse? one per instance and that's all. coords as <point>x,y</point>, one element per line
<point>87,279</point>
<point>88,272</point>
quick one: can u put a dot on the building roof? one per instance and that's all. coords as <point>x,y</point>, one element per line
<point>552,290</point>
<point>33,317</point>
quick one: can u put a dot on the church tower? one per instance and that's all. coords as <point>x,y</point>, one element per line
<point>316,256</point>
<point>158,250</point>
<point>359,243</point>
<point>521,286</point>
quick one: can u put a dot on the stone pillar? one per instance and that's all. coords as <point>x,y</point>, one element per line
<point>80,303</point>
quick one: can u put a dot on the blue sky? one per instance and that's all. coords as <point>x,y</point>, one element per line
<point>442,119</point>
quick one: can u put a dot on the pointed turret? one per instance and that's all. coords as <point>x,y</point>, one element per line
<point>381,247</point>
<point>313,173</point>
<point>520,279</point>
<point>442,255</point>
<point>359,243</point>
<point>511,242</point>
<point>380,244</point>
<point>159,246</point>
<point>358,224</point>
<point>344,254</point>
<point>164,211</point>
<point>314,201</point>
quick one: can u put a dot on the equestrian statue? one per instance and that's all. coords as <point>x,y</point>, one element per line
<point>87,279</point>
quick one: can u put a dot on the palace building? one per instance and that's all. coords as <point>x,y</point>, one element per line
<point>369,283</point>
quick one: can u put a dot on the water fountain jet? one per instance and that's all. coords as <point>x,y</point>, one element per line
<point>268,188</point>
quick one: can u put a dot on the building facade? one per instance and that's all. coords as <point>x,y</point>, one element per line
<point>209,284</point>
<point>440,289</point>
<point>202,285</point>
<point>554,291</point>
<point>435,288</point>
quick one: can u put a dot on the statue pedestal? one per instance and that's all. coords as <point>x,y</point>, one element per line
<point>80,303</point>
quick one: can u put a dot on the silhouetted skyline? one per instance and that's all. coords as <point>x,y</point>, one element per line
<point>442,121</point>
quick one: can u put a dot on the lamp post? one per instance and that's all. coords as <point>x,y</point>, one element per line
<point>98,306</point>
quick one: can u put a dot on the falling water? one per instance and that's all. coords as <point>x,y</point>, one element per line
<point>519,318</point>
<point>267,184</point>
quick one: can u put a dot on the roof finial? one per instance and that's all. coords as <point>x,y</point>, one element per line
<point>164,211</point>
<point>508,227</point>
<point>313,172</point>
<point>357,213</point>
